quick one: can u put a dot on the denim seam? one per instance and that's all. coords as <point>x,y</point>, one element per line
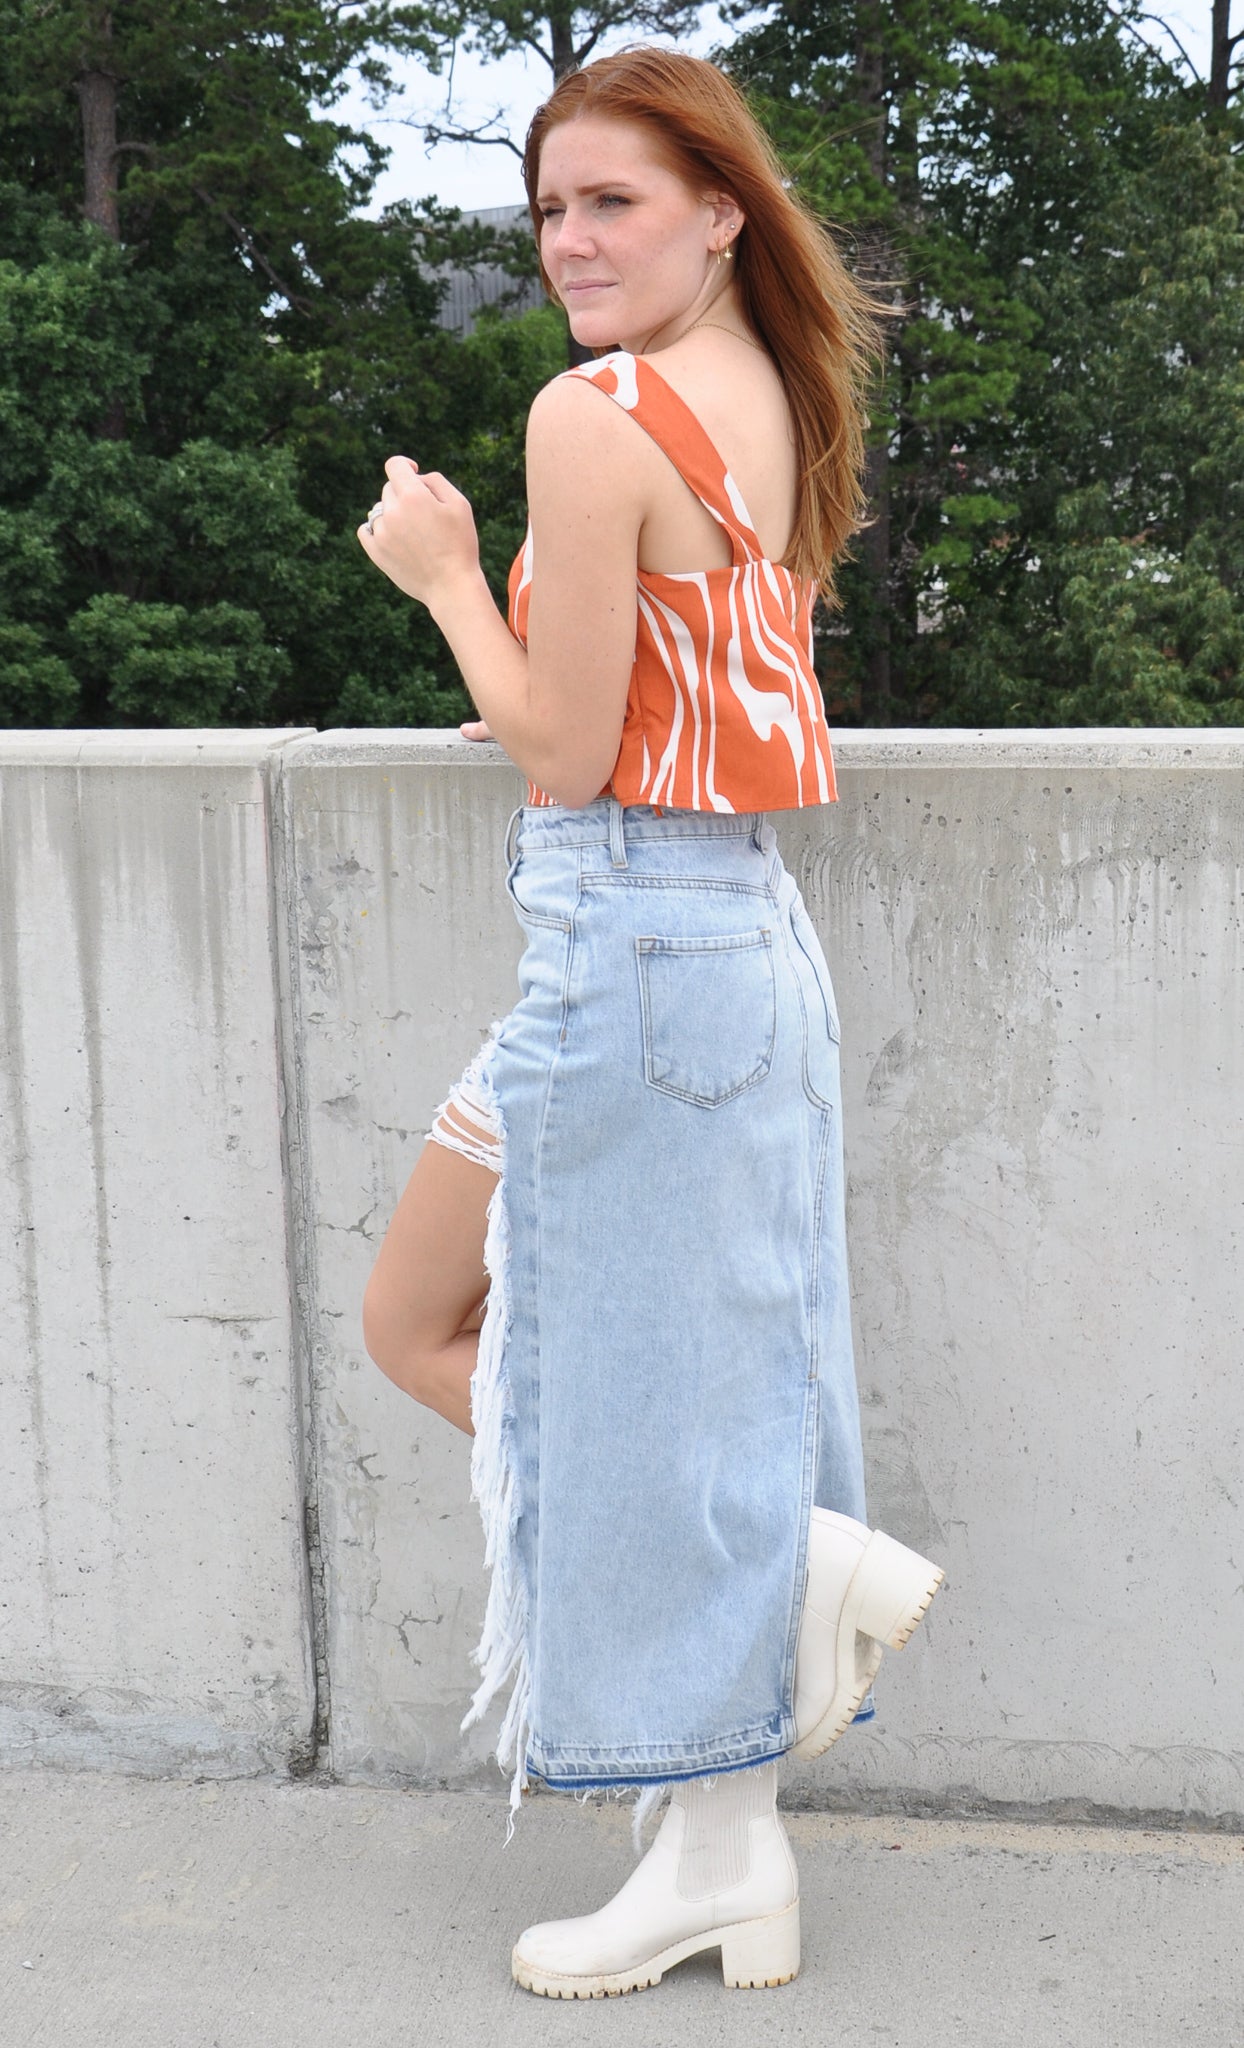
<point>598,1756</point>
<point>562,1031</point>
<point>604,878</point>
<point>636,833</point>
<point>812,1421</point>
<point>560,1782</point>
<point>822,1175</point>
<point>812,1396</point>
<point>812,1416</point>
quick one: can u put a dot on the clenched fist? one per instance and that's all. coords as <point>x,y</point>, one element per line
<point>424,537</point>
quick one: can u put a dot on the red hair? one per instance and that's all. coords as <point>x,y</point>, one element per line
<point>821,328</point>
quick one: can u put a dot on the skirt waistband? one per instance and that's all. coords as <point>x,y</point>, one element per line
<point>605,821</point>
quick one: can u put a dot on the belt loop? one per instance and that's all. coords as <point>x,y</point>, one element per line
<point>617,836</point>
<point>509,834</point>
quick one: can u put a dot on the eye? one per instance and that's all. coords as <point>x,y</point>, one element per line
<point>613,199</point>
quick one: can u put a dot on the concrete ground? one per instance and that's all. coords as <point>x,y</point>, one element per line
<point>263,1914</point>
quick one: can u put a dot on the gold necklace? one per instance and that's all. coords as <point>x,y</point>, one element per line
<point>727,330</point>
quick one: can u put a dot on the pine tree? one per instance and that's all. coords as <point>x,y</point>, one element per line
<point>206,353</point>
<point>973,154</point>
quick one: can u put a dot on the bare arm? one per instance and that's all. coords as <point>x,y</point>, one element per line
<point>557,708</point>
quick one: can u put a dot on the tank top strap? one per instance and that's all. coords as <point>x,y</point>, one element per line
<point>663,414</point>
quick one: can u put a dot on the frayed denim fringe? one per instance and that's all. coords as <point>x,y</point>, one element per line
<point>501,1653</point>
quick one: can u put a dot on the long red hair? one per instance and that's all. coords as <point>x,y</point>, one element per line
<point>821,327</point>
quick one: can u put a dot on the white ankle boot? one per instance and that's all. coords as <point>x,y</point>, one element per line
<point>864,1592</point>
<point>720,1873</point>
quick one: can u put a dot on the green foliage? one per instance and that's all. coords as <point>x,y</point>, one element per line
<point>565,33</point>
<point>200,382</point>
<point>1115,592</point>
<point>1058,447</point>
<point>195,413</point>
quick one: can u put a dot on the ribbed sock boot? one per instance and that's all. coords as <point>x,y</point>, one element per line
<point>720,1873</point>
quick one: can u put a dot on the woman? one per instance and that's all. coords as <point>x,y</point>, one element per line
<point>643,1162</point>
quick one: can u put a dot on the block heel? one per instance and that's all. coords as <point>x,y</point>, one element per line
<point>759,1953</point>
<point>865,1593</point>
<point>688,1894</point>
<point>894,1587</point>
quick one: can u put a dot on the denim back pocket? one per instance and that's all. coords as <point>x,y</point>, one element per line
<point>709,1011</point>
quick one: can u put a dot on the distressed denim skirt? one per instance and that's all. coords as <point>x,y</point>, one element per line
<point>665,1382</point>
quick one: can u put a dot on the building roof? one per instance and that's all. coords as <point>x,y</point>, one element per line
<point>472,288</point>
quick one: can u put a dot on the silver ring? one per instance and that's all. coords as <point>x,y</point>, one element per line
<point>377,512</point>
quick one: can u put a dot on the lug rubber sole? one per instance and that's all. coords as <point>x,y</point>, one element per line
<point>756,1955</point>
<point>890,1592</point>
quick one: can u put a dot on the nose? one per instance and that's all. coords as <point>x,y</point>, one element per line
<point>572,235</point>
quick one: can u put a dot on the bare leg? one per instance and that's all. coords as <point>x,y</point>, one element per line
<point>424,1302</point>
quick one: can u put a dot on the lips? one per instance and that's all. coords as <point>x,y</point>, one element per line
<point>586,286</point>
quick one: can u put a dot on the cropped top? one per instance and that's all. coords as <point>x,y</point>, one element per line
<point>724,711</point>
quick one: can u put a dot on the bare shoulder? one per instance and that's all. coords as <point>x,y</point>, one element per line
<point>738,396</point>
<point>580,441</point>
<point>569,403</point>
<point>586,468</point>
<point>735,391</point>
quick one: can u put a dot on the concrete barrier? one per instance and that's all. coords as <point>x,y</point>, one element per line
<point>155,1608</point>
<point>239,970</point>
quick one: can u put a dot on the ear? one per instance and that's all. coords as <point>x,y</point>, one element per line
<point>728,216</point>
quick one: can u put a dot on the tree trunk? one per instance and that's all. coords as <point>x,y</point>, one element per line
<point>561,40</point>
<point>876,691</point>
<point>875,268</point>
<point>1222,49</point>
<point>97,97</point>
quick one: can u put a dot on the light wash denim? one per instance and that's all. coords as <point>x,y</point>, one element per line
<point>665,1381</point>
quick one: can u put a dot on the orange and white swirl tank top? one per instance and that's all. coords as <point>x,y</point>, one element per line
<point>724,711</point>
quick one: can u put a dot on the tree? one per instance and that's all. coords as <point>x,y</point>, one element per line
<point>563,35</point>
<point>1117,595</point>
<point>235,351</point>
<point>1224,66</point>
<point>970,153</point>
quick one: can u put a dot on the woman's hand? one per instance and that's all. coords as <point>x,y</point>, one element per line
<point>424,538</point>
<point>475,729</point>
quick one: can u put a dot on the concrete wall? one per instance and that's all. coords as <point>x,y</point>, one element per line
<point>152,1556</point>
<point>239,970</point>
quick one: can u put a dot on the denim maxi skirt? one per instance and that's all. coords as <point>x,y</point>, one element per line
<point>665,1382</point>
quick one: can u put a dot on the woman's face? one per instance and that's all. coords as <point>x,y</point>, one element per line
<point>628,246</point>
